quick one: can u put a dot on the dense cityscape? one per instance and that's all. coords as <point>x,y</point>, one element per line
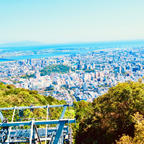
<point>71,72</point>
<point>75,77</point>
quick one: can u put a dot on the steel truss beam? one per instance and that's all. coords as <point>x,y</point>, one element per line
<point>31,133</point>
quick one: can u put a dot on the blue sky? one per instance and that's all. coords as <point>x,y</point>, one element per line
<point>64,21</point>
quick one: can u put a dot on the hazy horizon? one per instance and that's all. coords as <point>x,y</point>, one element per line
<point>37,43</point>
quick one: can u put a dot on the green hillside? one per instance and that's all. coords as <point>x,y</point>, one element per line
<point>11,96</point>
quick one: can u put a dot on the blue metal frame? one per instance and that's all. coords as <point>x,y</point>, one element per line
<point>34,107</point>
<point>63,112</point>
<point>58,132</point>
<point>1,116</point>
<point>28,123</point>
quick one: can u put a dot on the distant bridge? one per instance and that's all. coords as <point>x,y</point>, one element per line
<point>27,131</point>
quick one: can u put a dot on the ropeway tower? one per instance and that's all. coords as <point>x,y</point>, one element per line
<point>34,131</point>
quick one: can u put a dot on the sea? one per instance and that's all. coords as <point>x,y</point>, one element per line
<point>20,52</point>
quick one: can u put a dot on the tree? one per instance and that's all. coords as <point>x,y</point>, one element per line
<point>138,134</point>
<point>112,114</point>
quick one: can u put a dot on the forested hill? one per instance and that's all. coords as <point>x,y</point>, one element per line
<point>60,68</point>
<point>115,117</point>
<point>118,112</point>
<point>11,96</point>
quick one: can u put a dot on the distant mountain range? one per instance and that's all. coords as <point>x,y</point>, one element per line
<point>102,44</point>
<point>21,44</point>
<point>35,43</point>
